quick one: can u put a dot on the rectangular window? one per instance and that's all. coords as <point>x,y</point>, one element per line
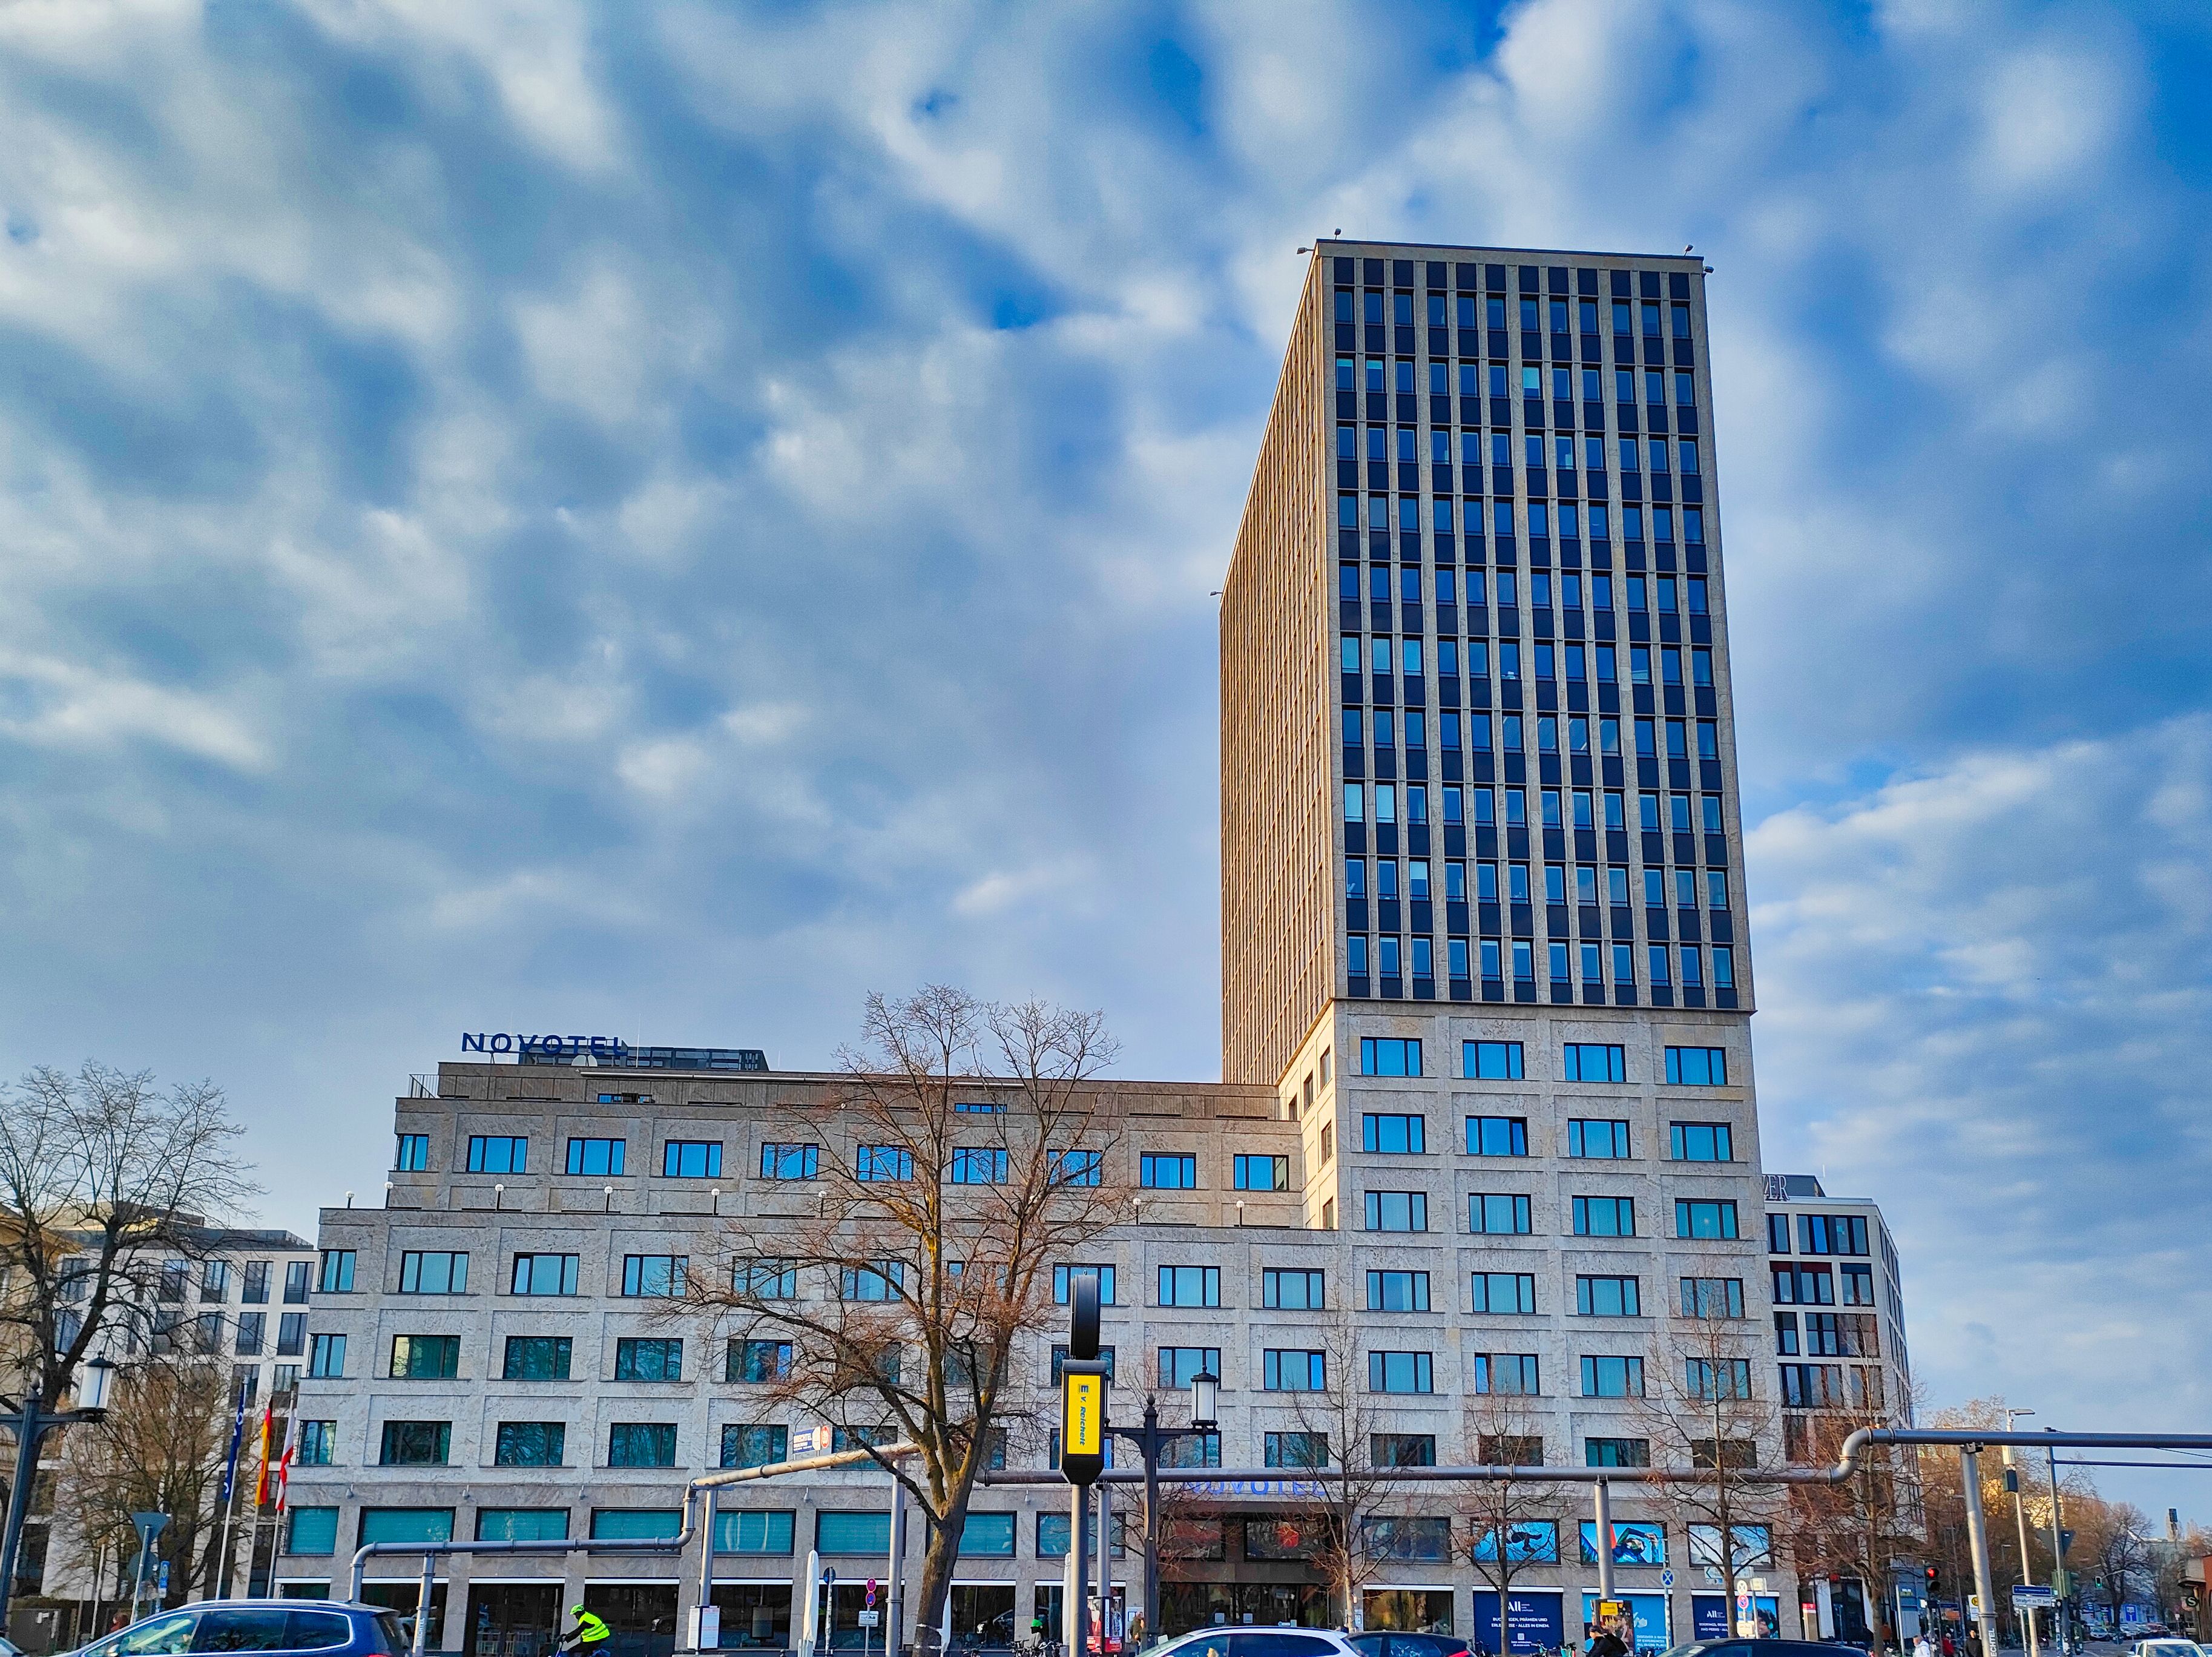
<point>642,1444</point>
<point>415,1444</point>
<point>1283,1370</point>
<point>544,1274</point>
<point>1292,1291</point>
<point>1076,1167</point>
<point>1389,1056</point>
<point>1491,1061</point>
<point>755,1444</point>
<point>1402,1450</point>
<point>1497,1213</point>
<point>691,1159</point>
<point>1497,1136</point>
<point>1191,1286</point>
<point>765,1279</point>
<point>1712,1298</point>
<point>1508,1374</point>
<point>1504,1293</point>
<point>756,1531</point>
<point>318,1442</point>
<point>1059,1357</point>
<point>426,1357</point>
<point>1286,1450</point>
<point>537,1358</point>
<point>1616,1453</point>
<point>530,1444</point>
<point>434,1272</point>
<point>974,1165</point>
<point>1262,1173</point>
<point>1179,1363</point>
<point>782,1161</point>
<point>1778,1234</point>
<point>1157,1171</point>
<point>1397,1291</point>
<point>596,1156</point>
<point>1608,1297</point>
<point>1604,1377</point>
<point>883,1162</point>
<point>755,1362</point>
<point>295,1282</point>
<point>1717,1378</point>
<point>654,1359</point>
<point>1397,1210</point>
<point>1605,1141</point>
<point>986,1536</point>
<point>1700,1142</point>
<point>881,1281</point>
<point>1704,1219</point>
<point>1605,1217</point>
<point>655,1276</point>
<point>1696,1067</point>
<point>498,1154</point>
<point>326,1357</point>
<point>1595,1061</point>
<point>1400,1372</point>
<point>337,1272</point>
<point>1393,1135</point>
<point>1063,1275</point>
<point>291,1333</point>
<point>412,1154</point>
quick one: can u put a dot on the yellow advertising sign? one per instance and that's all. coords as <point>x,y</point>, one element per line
<point>1084,1422</point>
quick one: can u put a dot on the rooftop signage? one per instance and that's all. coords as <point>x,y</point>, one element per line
<point>612,1048</point>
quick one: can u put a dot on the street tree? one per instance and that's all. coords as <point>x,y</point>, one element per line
<point>1343,1424</point>
<point>1866,1523</point>
<point>1509,1525</point>
<point>104,1176</point>
<point>162,1448</point>
<point>1708,1423</point>
<point>894,1295</point>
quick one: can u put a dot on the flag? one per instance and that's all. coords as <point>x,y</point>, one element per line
<point>237,1437</point>
<point>284,1462</point>
<point>261,1489</point>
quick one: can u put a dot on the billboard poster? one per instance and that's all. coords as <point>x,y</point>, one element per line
<point>1535,1542</point>
<point>1649,1610</point>
<point>1535,1619</point>
<point>1754,1545</point>
<point>1708,1616</point>
<point>1633,1543</point>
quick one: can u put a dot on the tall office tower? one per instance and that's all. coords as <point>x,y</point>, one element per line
<point>1480,846</point>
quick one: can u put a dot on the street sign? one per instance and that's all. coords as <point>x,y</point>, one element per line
<point>867,1619</point>
<point>1666,1578</point>
<point>871,1593</point>
<point>810,1441</point>
<point>1082,1423</point>
<point>2027,1596</point>
<point>1973,1604</point>
<point>2061,1583</point>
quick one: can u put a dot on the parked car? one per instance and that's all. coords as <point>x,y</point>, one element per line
<point>1739,1648</point>
<point>1230,1640</point>
<point>326,1628</point>
<point>1395,1643</point>
<point>2165,1648</point>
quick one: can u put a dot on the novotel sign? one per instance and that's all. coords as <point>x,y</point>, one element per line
<point>547,1047</point>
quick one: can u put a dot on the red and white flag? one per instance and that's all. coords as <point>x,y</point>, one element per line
<point>284,1462</point>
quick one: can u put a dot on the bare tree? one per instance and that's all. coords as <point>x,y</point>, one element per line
<point>1707,1420</point>
<point>1342,1419</point>
<point>162,1448</point>
<point>1864,1524</point>
<point>982,1158</point>
<point>1508,1519</point>
<point>103,1177</point>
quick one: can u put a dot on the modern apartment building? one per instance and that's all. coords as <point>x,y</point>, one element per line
<point>1487,1114</point>
<point>1838,1309</point>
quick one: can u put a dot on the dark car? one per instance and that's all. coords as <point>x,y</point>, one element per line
<point>1740,1648</point>
<point>1400,1644</point>
<point>320,1626</point>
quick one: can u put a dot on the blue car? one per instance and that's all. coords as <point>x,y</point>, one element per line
<point>325,1628</point>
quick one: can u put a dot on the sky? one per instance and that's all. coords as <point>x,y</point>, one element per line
<point>659,520</point>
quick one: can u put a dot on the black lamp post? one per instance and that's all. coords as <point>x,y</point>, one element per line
<point>30,1421</point>
<point>1150,1440</point>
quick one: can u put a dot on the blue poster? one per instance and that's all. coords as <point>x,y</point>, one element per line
<point>1632,1544</point>
<point>1649,1610</point>
<point>1708,1616</point>
<point>1533,1618</point>
<point>1535,1542</point>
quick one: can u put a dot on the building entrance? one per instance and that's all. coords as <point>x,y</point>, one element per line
<point>514,1619</point>
<point>640,1616</point>
<point>755,1615</point>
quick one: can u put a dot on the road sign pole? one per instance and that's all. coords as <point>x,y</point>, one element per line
<point>1978,1541</point>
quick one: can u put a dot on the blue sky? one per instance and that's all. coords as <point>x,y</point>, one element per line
<point>662,518</point>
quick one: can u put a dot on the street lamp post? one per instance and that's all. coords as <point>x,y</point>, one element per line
<point>31,1420</point>
<point>1150,1440</point>
<point>2020,1520</point>
<point>2061,1620</point>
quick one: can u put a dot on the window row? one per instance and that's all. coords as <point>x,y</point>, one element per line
<point>1394,959</point>
<point>1656,813</point>
<point>1579,1061</point>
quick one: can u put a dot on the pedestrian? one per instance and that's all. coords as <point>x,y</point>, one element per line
<point>1921,1648</point>
<point>1607,1644</point>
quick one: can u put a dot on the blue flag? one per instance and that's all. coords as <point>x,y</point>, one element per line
<point>237,1437</point>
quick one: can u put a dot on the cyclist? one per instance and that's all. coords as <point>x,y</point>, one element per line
<point>588,1632</point>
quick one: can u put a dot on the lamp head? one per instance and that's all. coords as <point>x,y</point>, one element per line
<point>1205,1394</point>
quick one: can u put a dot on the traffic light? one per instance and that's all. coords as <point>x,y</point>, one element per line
<point>1931,1579</point>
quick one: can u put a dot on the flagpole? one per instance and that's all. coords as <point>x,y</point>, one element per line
<point>229,1497</point>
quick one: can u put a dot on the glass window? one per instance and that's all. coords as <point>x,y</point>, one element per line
<point>1491,1060</point>
<point>640,1444</point>
<point>1179,1363</point>
<point>1593,1061</point>
<point>1497,1136</point>
<point>1713,1297</point>
<point>1397,1291</point>
<point>434,1272</point>
<point>1698,1066</point>
<point>648,1359</point>
<point>1161,1171</point>
<point>1400,1372</point>
<point>790,1161</point>
<point>1700,1142</point>
<point>1261,1172</point>
<point>655,1275</point>
<point>530,1444</point>
<point>1498,1212</point>
<point>1063,1277</point>
<point>337,1272</point>
<point>1393,1135</point>
<point>1613,1377</point>
<point>595,1156</point>
<point>1608,1297</point>
<point>1606,1140</point>
<point>426,1357</point>
<point>1287,1371</point>
<point>412,1154</point>
<point>1501,1293</point>
<point>1293,1290</point>
<point>1605,1217</point>
<point>537,1358</point>
<point>883,1163</point>
<point>758,1530</point>
<point>544,1274</point>
<point>978,1166</point>
<point>415,1443</point>
<point>1397,1210</point>
<point>1704,1219</point>
<point>1190,1285</point>
<point>691,1159</point>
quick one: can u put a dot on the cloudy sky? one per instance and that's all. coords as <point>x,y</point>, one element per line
<point>661,518</point>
